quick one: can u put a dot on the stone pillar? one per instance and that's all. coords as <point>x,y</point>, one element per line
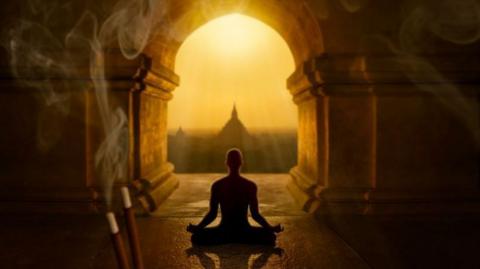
<point>43,145</point>
<point>311,171</point>
<point>148,114</point>
<point>371,141</point>
<point>336,140</point>
<point>427,137</point>
<point>350,144</point>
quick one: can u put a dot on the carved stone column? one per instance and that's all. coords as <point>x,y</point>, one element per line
<point>378,138</point>
<point>352,134</point>
<point>311,171</point>
<point>148,114</point>
<point>336,165</point>
<point>427,128</point>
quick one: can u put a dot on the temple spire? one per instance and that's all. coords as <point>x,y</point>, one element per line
<point>234,112</point>
<point>180,132</point>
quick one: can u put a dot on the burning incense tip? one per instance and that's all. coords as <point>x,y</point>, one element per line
<point>117,242</point>
<point>113,223</point>
<point>127,203</point>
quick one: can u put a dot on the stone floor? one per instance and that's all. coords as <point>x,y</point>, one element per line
<point>304,243</point>
<point>83,242</point>
<point>191,198</point>
<point>353,242</point>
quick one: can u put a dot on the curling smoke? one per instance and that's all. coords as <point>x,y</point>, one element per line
<point>455,21</point>
<point>130,26</point>
<point>41,61</point>
<point>35,57</point>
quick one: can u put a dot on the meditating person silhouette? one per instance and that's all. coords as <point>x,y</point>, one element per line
<point>235,194</point>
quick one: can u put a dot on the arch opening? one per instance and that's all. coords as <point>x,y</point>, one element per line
<point>300,35</point>
<point>233,93</point>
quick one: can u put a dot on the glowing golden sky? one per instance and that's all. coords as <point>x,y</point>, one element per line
<point>233,59</point>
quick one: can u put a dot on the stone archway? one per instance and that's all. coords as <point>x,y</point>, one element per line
<point>351,97</point>
<point>149,100</point>
<point>383,126</point>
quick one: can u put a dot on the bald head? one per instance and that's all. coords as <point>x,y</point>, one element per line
<point>234,159</point>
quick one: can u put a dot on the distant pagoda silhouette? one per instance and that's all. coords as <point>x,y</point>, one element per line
<point>234,133</point>
<point>180,133</point>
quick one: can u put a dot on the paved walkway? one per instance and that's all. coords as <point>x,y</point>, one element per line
<point>305,243</point>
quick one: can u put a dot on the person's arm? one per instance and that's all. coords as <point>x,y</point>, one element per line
<point>210,216</point>
<point>258,217</point>
<point>212,213</point>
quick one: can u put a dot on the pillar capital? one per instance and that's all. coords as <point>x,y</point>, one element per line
<point>325,75</point>
<point>158,81</point>
<point>357,74</point>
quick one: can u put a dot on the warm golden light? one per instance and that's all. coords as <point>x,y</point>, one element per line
<point>233,59</point>
<point>234,35</point>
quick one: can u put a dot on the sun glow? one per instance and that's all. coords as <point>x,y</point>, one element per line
<point>235,35</point>
<point>233,59</point>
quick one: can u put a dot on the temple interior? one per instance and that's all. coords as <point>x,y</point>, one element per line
<point>386,162</point>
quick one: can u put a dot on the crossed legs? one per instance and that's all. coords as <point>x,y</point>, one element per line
<point>219,235</point>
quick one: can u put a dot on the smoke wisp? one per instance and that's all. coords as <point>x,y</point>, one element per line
<point>39,60</point>
<point>454,21</point>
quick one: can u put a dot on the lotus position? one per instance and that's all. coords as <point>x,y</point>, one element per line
<point>235,194</point>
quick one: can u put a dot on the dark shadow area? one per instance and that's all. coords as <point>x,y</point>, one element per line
<point>412,241</point>
<point>55,241</point>
<point>234,255</point>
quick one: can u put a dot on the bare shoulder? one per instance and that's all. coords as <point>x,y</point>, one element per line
<point>217,183</point>
<point>250,184</point>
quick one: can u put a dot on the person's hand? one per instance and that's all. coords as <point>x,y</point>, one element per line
<point>277,228</point>
<point>192,228</point>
